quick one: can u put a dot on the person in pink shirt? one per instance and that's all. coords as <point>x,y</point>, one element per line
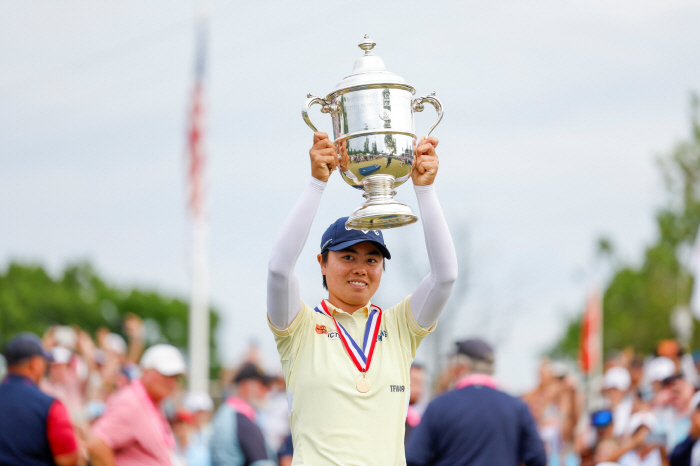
<point>133,431</point>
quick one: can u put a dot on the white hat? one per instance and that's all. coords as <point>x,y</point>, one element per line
<point>115,343</point>
<point>61,355</point>
<point>617,377</point>
<point>640,419</point>
<point>198,401</point>
<point>65,336</point>
<point>660,368</point>
<point>166,359</point>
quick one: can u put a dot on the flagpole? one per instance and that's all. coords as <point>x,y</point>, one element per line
<point>198,329</point>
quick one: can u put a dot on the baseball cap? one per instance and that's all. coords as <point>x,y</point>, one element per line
<point>251,371</point>
<point>198,401</point>
<point>23,346</point>
<point>337,237</point>
<point>601,418</point>
<point>115,343</point>
<point>617,377</point>
<point>166,359</point>
<point>61,355</point>
<point>640,419</point>
<point>660,368</point>
<point>476,348</point>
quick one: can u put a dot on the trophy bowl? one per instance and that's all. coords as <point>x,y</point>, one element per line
<point>373,126</point>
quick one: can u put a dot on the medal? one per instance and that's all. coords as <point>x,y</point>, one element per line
<point>360,357</point>
<point>362,385</point>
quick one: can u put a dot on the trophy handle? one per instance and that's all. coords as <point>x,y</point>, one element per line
<point>326,107</point>
<point>432,100</point>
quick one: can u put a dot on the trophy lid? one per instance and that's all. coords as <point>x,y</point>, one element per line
<point>369,69</point>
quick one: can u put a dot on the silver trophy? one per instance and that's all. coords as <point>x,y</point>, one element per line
<point>372,111</point>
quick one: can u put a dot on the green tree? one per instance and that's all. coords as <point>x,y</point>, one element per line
<point>638,300</point>
<point>31,300</point>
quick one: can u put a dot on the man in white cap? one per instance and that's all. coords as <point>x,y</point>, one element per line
<point>133,430</point>
<point>616,384</point>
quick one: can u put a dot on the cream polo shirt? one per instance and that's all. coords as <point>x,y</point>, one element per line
<point>332,422</point>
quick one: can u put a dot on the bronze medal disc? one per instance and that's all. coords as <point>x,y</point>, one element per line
<point>362,385</point>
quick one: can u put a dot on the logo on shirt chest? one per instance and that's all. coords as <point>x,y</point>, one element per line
<point>382,335</point>
<point>323,330</point>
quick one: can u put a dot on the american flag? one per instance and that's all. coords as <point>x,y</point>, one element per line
<point>198,341</point>
<point>591,334</point>
<point>195,152</point>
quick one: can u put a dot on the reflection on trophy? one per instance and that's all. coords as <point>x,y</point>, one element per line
<point>372,111</point>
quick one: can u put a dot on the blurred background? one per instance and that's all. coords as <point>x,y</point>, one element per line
<point>570,157</point>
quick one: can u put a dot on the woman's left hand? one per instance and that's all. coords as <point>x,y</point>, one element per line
<point>425,163</point>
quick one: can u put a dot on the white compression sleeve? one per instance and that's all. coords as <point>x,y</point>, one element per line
<point>429,299</point>
<point>283,297</point>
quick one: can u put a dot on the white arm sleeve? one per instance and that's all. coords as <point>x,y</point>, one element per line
<point>429,299</point>
<point>283,298</point>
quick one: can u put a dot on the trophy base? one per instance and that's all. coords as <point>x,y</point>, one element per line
<point>381,211</point>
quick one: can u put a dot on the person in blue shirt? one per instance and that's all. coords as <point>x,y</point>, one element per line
<point>475,424</point>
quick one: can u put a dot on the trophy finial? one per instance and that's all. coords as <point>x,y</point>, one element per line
<point>367,45</point>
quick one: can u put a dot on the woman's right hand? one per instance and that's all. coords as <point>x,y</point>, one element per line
<point>324,157</point>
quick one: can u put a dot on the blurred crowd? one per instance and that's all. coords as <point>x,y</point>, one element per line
<point>639,410</point>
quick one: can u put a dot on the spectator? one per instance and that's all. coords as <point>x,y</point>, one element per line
<point>182,423</point>
<point>659,369</point>
<point>476,424</point>
<point>417,392</point>
<point>201,406</point>
<point>648,452</point>
<point>236,439</point>
<point>687,453</point>
<point>63,384</point>
<point>133,429</point>
<point>674,417</point>
<point>286,454</point>
<point>684,362</point>
<point>616,384</point>
<point>35,428</point>
<point>274,415</point>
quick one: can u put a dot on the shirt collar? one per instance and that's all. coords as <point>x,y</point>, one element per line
<point>361,311</point>
<point>18,378</point>
<point>476,379</point>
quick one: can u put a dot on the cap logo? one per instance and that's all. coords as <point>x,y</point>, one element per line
<point>376,232</point>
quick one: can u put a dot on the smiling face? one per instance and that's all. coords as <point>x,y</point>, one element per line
<point>352,275</point>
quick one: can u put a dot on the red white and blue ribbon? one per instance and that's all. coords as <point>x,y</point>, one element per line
<point>360,357</point>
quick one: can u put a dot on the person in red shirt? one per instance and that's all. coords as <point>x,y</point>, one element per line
<point>34,427</point>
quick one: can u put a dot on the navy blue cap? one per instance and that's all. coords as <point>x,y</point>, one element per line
<point>338,237</point>
<point>23,346</point>
<point>476,348</point>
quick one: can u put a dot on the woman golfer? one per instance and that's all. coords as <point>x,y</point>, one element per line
<point>346,361</point>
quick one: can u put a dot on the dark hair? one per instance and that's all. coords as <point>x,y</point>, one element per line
<point>324,259</point>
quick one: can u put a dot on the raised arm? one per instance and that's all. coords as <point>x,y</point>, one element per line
<point>283,299</point>
<point>429,299</point>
